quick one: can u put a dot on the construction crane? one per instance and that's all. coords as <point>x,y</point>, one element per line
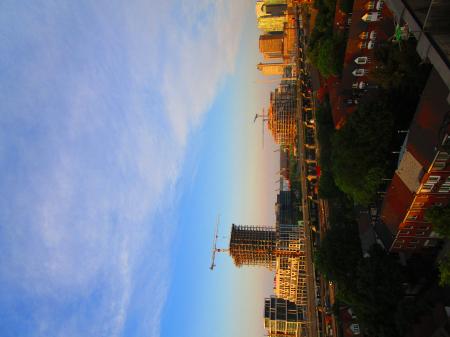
<point>214,246</point>
<point>264,118</point>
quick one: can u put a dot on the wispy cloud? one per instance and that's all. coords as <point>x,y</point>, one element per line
<point>204,52</point>
<point>98,101</point>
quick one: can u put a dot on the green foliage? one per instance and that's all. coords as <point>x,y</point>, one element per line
<point>440,219</point>
<point>398,66</point>
<point>325,130</point>
<point>360,151</point>
<point>327,186</point>
<point>346,6</point>
<point>401,75</point>
<point>444,271</point>
<point>326,49</point>
<point>327,54</point>
<point>339,254</point>
<point>378,293</point>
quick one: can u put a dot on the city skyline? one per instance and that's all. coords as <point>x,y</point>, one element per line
<point>140,300</point>
<point>274,168</point>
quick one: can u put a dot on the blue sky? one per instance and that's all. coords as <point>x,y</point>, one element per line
<point>123,134</point>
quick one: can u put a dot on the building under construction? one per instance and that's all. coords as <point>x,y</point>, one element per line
<point>283,318</point>
<point>282,121</point>
<point>253,246</point>
<point>281,248</point>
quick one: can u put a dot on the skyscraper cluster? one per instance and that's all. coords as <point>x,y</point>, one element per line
<point>280,248</point>
<point>277,44</point>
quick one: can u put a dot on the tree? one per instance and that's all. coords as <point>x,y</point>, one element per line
<point>440,219</point>
<point>327,186</point>
<point>360,151</point>
<point>399,65</point>
<point>378,292</point>
<point>339,254</point>
<point>327,53</point>
<point>444,270</point>
<point>346,6</point>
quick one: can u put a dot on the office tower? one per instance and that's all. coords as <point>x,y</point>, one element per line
<point>284,208</point>
<point>270,18</point>
<point>270,69</point>
<point>253,246</point>
<point>271,45</point>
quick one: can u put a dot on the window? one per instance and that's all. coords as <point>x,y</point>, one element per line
<point>370,17</point>
<point>411,218</point>
<point>355,328</point>
<point>437,204</point>
<point>362,45</point>
<point>361,60</point>
<point>433,179</point>
<point>379,5</point>
<point>430,243</point>
<point>445,187</point>
<point>359,72</point>
<point>442,156</point>
<point>439,165</point>
<point>427,187</point>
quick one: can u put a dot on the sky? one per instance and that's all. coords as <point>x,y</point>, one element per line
<point>127,127</point>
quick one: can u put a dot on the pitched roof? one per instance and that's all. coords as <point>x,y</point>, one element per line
<point>396,202</point>
<point>429,124</point>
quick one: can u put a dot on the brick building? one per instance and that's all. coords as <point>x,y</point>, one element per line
<point>422,177</point>
<point>370,23</point>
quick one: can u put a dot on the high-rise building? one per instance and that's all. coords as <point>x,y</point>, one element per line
<point>270,17</point>
<point>275,2</point>
<point>290,277</point>
<point>283,318</point>
<point>270,69</point>
<point>284,208</point>
<point>282,121</point>
<point>253,246</point>
<point>271,45</point>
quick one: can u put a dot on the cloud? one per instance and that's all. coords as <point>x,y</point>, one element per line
<point>98,102</point>
<point>203,52</point>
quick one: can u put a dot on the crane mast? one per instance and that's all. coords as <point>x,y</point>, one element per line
<point>214,246</point>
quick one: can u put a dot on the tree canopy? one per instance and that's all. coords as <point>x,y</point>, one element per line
<point>339,254</point>
<point>361,149</point>
<point>440,219</point>
<point>326,48</point>
<point>378,293</point>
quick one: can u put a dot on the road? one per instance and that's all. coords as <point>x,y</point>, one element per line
<point>316,326</point>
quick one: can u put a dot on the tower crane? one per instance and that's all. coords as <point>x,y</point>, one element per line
<point>264,118</point>
<point>214,246</point>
